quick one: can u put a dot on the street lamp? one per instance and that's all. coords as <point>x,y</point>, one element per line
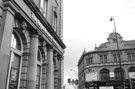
<point>112,19</point>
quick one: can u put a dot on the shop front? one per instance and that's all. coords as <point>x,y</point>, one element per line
<point>111,84</point>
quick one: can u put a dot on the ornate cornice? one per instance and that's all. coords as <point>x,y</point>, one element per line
<point>43,20</point>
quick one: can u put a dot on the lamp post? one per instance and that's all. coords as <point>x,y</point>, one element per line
<point>112,19</point>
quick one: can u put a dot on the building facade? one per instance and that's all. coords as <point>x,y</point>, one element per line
<point>71,84</point>
<point>31,44</point>
<point>100,69</point>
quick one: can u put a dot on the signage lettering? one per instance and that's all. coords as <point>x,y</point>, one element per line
<point>36,20</point>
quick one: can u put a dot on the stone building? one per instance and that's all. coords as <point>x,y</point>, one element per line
<point>100,69</point>
<point>31,44</point>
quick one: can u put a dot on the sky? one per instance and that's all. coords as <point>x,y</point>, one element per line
<point>87,23</point>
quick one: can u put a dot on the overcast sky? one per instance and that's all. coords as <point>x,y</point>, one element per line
<point>86,23</point>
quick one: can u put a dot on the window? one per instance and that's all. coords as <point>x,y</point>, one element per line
<point>15,42</point>
<point>54,22</point>
<point>103,58</point>
<point>38,77</point>
<point>104,74</point>
<point>131,69</point>
<point>117,72</point>
<point>116,57</point>
<point>43,7</point>
<point>114,40</point>
<point>14,71</point>
<point>131,56</point>
<point>39,72</point>
<point>15,61</point>
<point>39,57</point>
<point>89,60</point>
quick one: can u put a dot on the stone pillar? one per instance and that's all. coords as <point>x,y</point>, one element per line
<point>110,57</point>
<point>44,66</point>
<point>60,72</point>
<point>126,72</point>
<point>6,28</point>
<point>32,63</point>
<point>124,56</point>
<point>50,68</point>
<point>55,71</point>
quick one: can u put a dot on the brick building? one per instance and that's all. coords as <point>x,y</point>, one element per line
<point>101,67</point>
<point>31,44</point>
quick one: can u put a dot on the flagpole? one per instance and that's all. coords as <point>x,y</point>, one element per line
<point>122,82</point>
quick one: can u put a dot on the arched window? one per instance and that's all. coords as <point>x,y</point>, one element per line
<point>15,41</point>
<point>118,75</point>
<point>104,74</point>
<point>15,60</point>
<point>131,72</point>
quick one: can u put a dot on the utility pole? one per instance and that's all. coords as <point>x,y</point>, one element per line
<point>122,82</point>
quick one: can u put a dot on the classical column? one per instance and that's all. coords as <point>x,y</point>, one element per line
<point>32,63</point>
<point>55,71</point>
<point>6,28</point>
<point>61,72</point>
<point>126,73</point>
<point>50,68</point>
<point>44,66</point>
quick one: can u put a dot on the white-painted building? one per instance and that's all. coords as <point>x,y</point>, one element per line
<point>70,86</point>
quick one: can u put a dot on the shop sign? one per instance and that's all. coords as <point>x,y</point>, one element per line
<point>91,76</point>
<point>91,88</point>
<point>112,74</point>
<point>106,87</point>
<point>90,84</point>
<point>105,84</point>
<point>36,20</point>
<point>131,74</point>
